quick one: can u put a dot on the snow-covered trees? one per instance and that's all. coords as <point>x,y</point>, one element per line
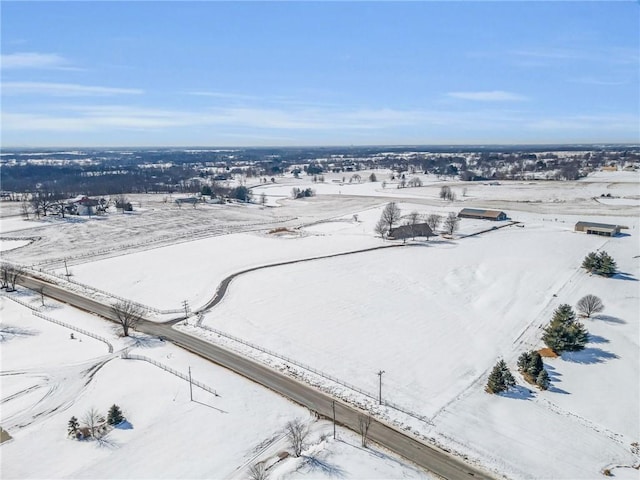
<point>564,333</point>
<point>589,304</point>
<point>600,263</point>
<point>500,378</point>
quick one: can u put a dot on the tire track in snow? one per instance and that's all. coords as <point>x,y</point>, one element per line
<point>64,385</point>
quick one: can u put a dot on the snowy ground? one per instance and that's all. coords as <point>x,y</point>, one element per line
<point>168,436</point>
<point>434,315</point>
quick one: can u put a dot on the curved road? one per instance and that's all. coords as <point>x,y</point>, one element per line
<point>429,457</point>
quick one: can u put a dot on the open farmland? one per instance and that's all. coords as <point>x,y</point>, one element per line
<point>435,316</point>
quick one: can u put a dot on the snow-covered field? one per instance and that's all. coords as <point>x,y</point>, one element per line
<point>167,435</point>
<point>435,316</point>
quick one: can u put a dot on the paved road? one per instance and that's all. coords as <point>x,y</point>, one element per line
<point>428,457</point>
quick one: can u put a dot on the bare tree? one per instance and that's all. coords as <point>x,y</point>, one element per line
<point>447,194</point>
<point>127,314</point>
<point>93,420</point>
<point>433,220</point>
<point>9,276</point>
<point>364,422</point>
<point>451,223</point>
<point>258,471</point>
<point>296,433</point>
<point>589,304</point>
<point>381,228</point>
<point>391,214</point>
<point>24,209</point>
<point>413,220</point>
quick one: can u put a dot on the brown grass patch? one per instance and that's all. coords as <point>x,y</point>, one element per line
<point>280,230</point>
<point>547,353</point>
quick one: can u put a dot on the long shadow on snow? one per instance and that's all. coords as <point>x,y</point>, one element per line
<point>589,356</point>
<point>519,393</point>
<point>609,319</point>
<point>314,463</point>
<point>554,377</point>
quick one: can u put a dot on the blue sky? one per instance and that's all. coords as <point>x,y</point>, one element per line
<point>319,73</point>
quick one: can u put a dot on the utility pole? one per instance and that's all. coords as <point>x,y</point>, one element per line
<point>185,304</point>
<point>333,406</point>
<point>66,269</point>
<point>380,388</point>
<point>190,386</point>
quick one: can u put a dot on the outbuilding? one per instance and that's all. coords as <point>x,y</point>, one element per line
<point>477,213</point>
<point>603,229</point>
<point>410,231</point>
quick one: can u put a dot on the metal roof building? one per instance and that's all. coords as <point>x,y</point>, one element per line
<point>482,214</point>
<point>598,228</point>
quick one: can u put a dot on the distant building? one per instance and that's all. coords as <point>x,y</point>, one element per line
<point>482,214</point>
<point>409,231</point>
<point>81,205</point>
<point>603,229</point>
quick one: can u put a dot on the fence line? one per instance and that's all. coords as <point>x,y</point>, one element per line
<point>21,302</point>
<point>186,236</point>
<point>129,356</point>
<point>317,372</point>
<point>79,330</point>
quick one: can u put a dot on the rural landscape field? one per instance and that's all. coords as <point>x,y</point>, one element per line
<point>332,304</point>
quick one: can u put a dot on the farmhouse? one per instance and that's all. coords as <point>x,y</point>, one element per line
<point>410,231</point>
<point>603,229</point>
<point>81,205</point>
<point>482,214</point>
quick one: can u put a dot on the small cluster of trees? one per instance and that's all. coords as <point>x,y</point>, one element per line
<point>9,276</point>
<point>564,333</point>
<point>300,193</point>
<point>532,369</point>
<point>600,263</point>
<point>95,425</point>
<point>391,216</point>
<point>447,194</point>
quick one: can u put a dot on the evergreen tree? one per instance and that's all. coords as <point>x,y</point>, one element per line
<point>73,426</point>
<point>606,265</point>
<point>524,361</point>
<point>564,333</point>
<point>590,262</point>
<point>114,416</point>
<point>535,365</point>
<point>542,380</point>
<point>500,378</point>
<point>564,314</point>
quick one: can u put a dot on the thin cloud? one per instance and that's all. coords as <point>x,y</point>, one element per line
<point>489,96</point>
<point>33,60</point>
<point>64,89</point>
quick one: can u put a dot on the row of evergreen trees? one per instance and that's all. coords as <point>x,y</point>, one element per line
<point>563,334</point>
